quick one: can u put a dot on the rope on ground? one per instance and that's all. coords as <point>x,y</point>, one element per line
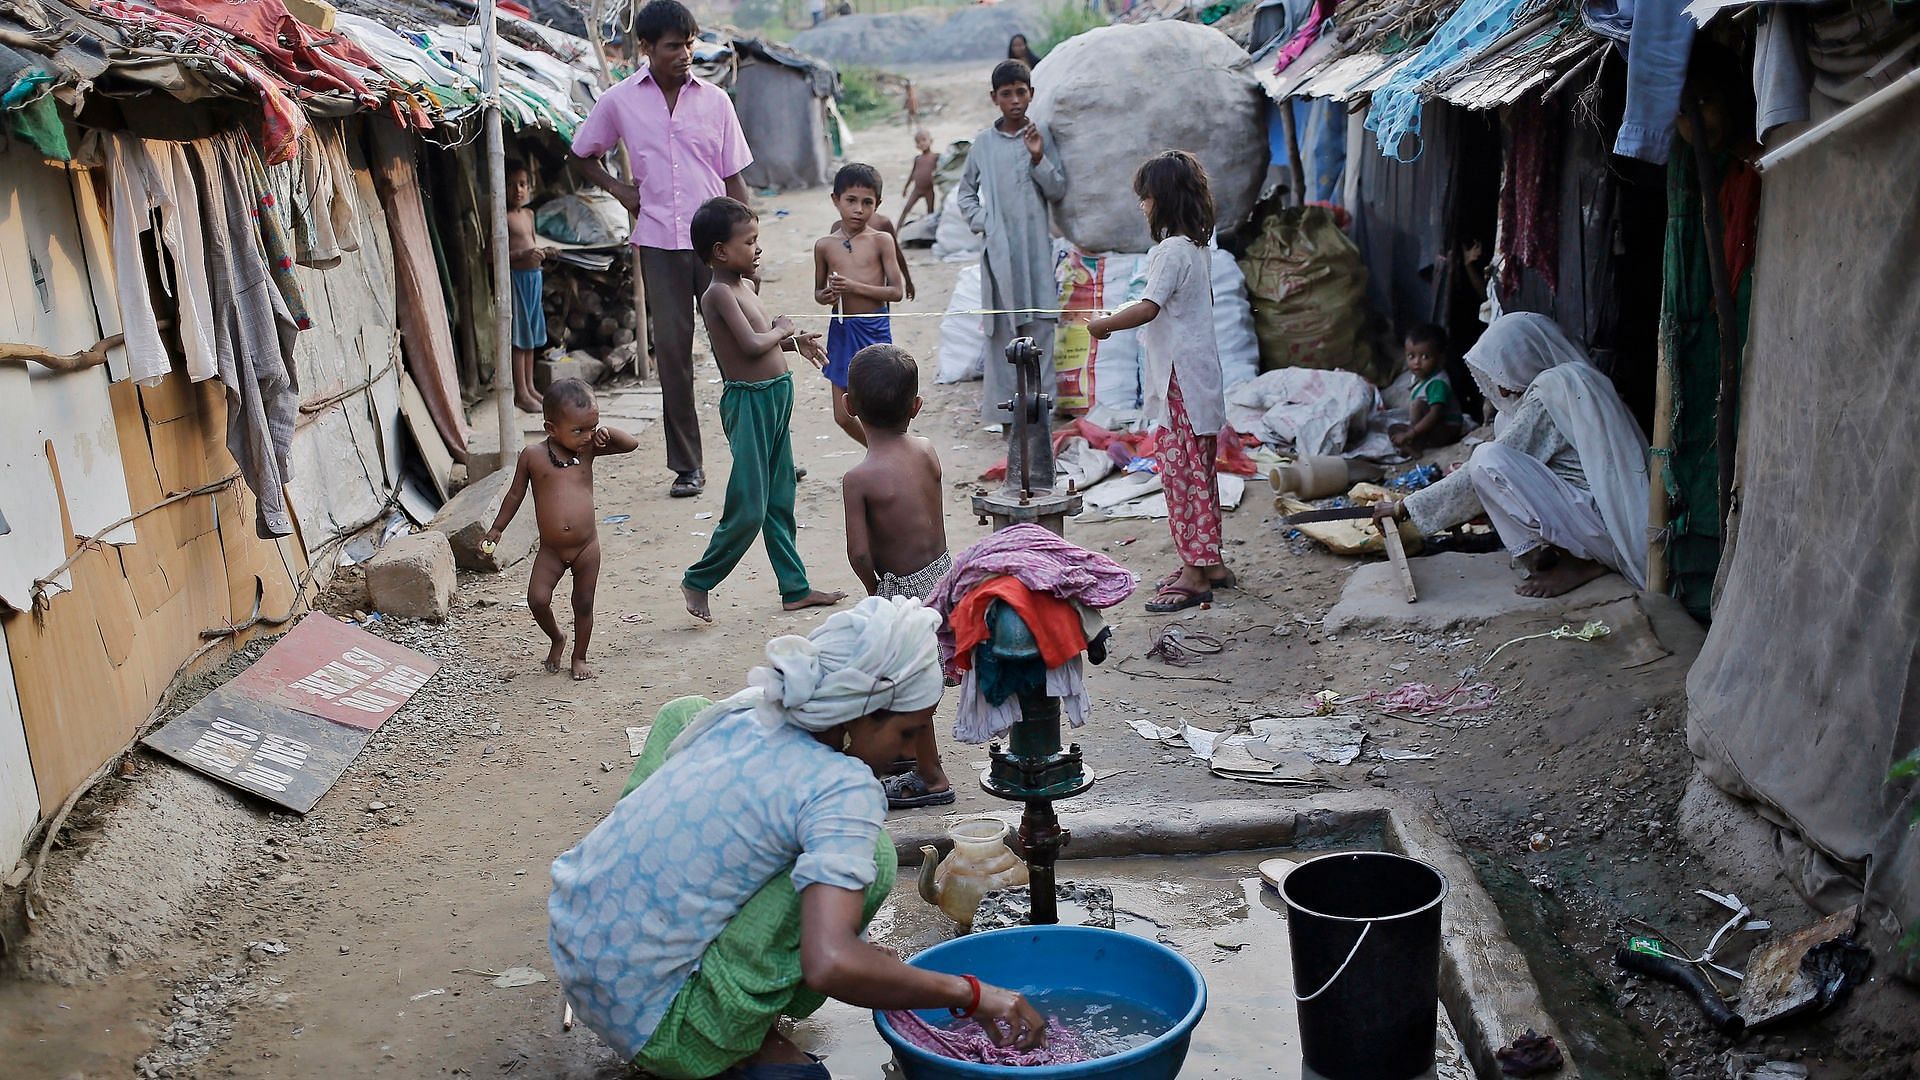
<point>1176,646</point>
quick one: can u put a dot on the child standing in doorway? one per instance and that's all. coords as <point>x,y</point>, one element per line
<point>1181,378</point>
<point>756,411</point>
<point>896,523</point>
<point>525,255</point>
<point>559,469</point>
<point>856,272</point>
<point>1013,175</point>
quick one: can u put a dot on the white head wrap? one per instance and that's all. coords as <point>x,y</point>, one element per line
<point>1513,352</point>
<point>879,656</point>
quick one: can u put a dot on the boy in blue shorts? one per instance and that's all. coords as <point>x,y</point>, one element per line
<point>856,272</point>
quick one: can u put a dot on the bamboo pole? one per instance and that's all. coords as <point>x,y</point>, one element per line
<point>502,277</point>
<point>1657,508</point>
<point>1294,163</point>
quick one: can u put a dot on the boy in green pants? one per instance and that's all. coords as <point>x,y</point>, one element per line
<point>756,410</point>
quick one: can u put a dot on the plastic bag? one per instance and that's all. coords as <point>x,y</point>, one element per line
<point>584,217</point>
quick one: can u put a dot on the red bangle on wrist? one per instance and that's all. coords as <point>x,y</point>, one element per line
<point>973,1006</point>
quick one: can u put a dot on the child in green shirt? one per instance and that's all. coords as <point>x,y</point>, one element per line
<point>1436,417</point>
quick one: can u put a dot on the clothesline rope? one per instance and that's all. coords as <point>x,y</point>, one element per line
<point>944,314</point>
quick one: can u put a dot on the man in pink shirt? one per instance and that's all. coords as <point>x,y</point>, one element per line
<point>685,145</point>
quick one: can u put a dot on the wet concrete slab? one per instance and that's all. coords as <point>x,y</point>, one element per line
<point>1213,909</point>
<point>1454,589</point>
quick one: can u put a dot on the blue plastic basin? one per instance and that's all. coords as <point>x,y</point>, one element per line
<point>1039,960</point>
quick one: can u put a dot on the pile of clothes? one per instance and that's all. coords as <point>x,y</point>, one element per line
<point>1058,589</point>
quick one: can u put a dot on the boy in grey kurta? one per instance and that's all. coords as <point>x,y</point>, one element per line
<point>1013,174</point>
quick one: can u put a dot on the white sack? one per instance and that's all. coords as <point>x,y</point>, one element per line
<point>962,352</point>
<point>1314,411</point>
<point>954,240</point>
<point>1115,96</point>
<point>1233,323</point>
<point>1116,361</point>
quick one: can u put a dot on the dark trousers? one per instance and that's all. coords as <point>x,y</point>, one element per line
<point>675,280</point>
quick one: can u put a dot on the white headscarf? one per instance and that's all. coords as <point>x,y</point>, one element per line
<point>1513,352</point>
<point>1525,351</point>
<point>879,656</point>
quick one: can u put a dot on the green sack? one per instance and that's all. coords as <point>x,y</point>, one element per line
<point>1308,286</point>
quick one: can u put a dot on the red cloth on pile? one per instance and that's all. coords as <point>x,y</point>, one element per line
<point>1055,624</point>
<point>282,120</point>
<point>298,53</point>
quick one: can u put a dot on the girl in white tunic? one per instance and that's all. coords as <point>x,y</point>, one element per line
<point>1565,479</point>
<point>1184,404</point>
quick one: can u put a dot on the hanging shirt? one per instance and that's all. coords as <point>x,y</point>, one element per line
<point>1179,340</point>
<point>148,175</point>
<point>681,157</point>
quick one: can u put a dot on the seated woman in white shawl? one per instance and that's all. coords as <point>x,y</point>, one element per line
<point>1565,479</point>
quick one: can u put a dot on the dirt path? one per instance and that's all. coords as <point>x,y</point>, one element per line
<point>386,914</point>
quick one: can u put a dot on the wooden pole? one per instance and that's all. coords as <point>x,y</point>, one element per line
<point>596,33</point>
<point>1724,426</point>
<point>510,441</point>
<point>1657,508</point>
<point>1294,163</point>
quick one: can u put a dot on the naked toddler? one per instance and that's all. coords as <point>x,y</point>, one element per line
<point>560,471</point>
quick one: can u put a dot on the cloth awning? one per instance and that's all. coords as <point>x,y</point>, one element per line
<point>1532,58</point>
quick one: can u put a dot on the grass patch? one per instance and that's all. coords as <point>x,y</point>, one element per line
<point>1066,21</point>
<point>863,96</point>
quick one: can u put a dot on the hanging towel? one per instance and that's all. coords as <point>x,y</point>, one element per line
<point>148,176</point>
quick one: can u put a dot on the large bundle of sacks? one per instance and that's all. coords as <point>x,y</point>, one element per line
<point>1115,96</point>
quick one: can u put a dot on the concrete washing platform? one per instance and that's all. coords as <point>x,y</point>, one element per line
<point>1187,875</point>
<point>1454,589</point>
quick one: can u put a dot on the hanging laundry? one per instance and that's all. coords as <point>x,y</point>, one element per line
<point>978,718</point>
<point>1054,622</point>
<point>271,216</point>
<point>1042,562</point>
<point>254,330</point>
<point>281,119</point>
<point>325,207</point>
<point>1530,196</point>
<point>146,176</point>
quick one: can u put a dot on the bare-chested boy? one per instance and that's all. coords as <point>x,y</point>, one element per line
<point>560,471</point>
<point>756,410</point>
<point>856,272</point>
<point>896,522</point>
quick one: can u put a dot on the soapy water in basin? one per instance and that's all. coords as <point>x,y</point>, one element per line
<point>1105,1025</point>
<point>1082,1025</point>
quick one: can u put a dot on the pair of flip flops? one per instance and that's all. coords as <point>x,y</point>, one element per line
<point>908,791</point>
<point>1173,596</point>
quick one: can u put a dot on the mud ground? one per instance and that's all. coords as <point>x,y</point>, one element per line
<point>347,943</point>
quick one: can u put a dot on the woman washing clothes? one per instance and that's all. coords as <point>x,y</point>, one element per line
<point>1564,480</point>
<point>733,881</point>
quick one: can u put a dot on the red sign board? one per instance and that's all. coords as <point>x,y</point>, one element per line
<point>338,671</point>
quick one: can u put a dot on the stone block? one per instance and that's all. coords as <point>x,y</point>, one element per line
<point>412,577</point>
<point>467,516</point>
<point>571,366</point>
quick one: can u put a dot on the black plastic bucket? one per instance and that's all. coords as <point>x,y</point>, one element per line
<point>1365,931</point>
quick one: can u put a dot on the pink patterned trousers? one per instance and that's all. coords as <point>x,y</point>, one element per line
<point>1187,471</point>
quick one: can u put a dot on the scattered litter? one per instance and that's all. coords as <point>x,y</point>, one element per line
<point>1406,755</point>
<point>704,515</point>
<point>1540,842</point>
<point>1532,1054</point>
<point>270,947</point>
<point>1421,699</point>
<point>637,739</point>
<point>1129,541</point>
<point>1590,632</point>
<point>822,438</point>
<point>1330,740</point>
<point>1778,1070</point>
<point>1809,970</point>
<point>566,1018</point>
<point>607,766</point>
<point>510,978</point>
<point>1325,700</point>
<point>633,616</point>
<point>425,994</point>
<point>1177,646</point>
<point>1153,732</point>
<point>697,532</point>
<point>1414,479</point>
<point>1199,740</point>
<point>616,519</point>
<point>960,446</point>
<point>1647,956</point>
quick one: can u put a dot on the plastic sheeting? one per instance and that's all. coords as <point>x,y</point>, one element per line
<point>785,123</point>
<point>1804,692</point>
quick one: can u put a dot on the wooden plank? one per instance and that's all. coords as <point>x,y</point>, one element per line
<point>419,422</point>
<point>1397,554</point>
<point>19,799</point>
